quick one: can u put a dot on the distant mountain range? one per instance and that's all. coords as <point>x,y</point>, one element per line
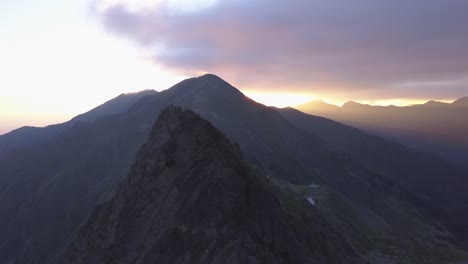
<point>434,127</point>
<point>379,195</point>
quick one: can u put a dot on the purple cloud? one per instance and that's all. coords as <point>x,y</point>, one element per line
<point>366,47</point>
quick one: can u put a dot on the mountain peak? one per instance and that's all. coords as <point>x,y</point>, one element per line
<point>461,102</point>
<point>189,198</point>
<point>214,80</point>
<point>352,104</point>
<point>210,76</point>
<point>205,85</point>
<point>433,103</point>
<point>173,119</point>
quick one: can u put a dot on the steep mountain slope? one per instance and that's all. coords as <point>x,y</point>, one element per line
<point>189,198</point>
<point>462,102</point>
<point>48,190</point>
<point>27,137</point>
<point>434,127</point>
<point>433,183</point>
<point>117,105</point>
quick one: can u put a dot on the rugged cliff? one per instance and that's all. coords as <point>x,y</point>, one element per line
<point>189,198</point>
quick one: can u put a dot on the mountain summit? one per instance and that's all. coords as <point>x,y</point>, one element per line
<point>190,198</point>
<point>461,102</point>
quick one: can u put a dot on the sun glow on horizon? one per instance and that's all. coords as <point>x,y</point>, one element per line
<point>399,102</point>
<point>282,99</point>
<point>52,71</point>
<point>278,99</point>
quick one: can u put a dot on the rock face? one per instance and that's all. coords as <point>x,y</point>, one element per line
<point>189,198</point>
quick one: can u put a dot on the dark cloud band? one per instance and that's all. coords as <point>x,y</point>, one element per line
<point>328,46</point>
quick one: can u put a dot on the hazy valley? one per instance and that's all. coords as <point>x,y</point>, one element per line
<point>434,127</point>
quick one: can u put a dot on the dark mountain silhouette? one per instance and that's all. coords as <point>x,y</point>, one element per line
<point>117,105</point>
<point>462,102</point>
<point>26,137</point>
<point>190,198</point>
<point>434,127</point>
<point>435,104</point>
<point>48,190</point>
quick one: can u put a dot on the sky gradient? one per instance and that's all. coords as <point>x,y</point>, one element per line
<point>362,49</point>
<point>61,58</point>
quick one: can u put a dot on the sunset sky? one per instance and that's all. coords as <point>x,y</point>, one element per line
<point>60,58</point>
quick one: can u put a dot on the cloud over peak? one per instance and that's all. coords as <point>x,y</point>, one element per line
<point>367,48</point>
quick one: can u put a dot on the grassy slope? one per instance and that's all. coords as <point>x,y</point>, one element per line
<point>382,244</point>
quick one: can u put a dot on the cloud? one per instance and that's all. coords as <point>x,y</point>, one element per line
<point>359,47</point>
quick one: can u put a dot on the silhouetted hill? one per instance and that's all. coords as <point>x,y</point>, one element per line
<point>435,104</point>
<point>434,127</point>
<point>119,104</point>
<point>461,102</point>
<point>26,137</point>
<point>189,198</point>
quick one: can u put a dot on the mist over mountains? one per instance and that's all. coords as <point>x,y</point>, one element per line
<point>434,127</point>
<point>322,191</point>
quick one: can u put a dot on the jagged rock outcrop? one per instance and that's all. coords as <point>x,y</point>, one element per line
<point>189,198</point>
